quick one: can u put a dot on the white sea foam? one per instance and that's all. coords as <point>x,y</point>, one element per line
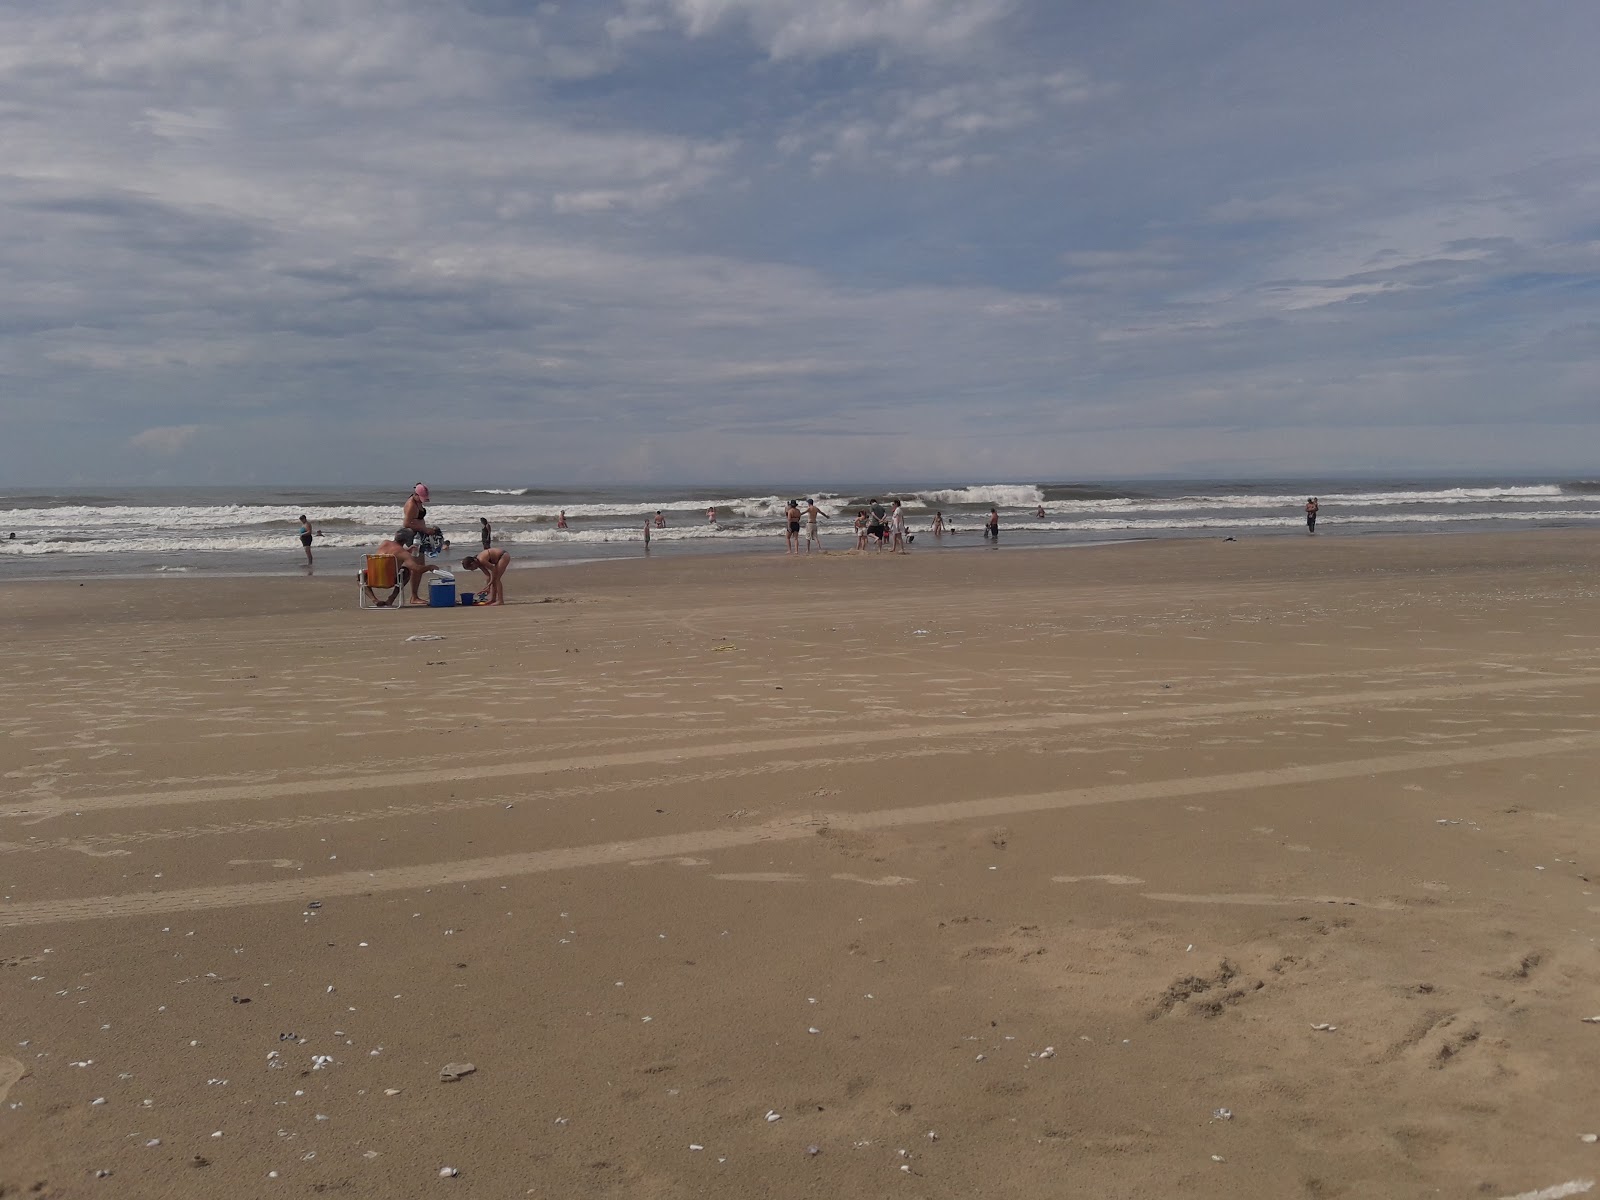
<point>1002,495</point>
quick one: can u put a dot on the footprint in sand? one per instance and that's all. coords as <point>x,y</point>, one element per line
<point>10,1071</point>
<point>763,877</point>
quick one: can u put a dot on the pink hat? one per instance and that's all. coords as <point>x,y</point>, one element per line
<point>421,490</point>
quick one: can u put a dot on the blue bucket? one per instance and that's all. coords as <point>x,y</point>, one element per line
<point>442,593</point>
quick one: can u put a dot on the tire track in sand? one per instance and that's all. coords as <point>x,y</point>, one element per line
<point>813,741</point>
<point>357,883</point>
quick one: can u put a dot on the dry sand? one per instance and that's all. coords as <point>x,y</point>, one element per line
<point>989,873</point>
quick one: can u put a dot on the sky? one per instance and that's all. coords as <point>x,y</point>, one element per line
<point>611,241</point>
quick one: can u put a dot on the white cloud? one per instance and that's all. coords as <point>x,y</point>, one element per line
<point>801,28</point>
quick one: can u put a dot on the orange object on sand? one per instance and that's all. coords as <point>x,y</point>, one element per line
<point>382,571</point>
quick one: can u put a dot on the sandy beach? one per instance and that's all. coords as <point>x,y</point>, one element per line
<point>1184,868</point>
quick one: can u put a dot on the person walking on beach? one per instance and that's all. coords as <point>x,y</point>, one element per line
<point>897,522</point>
<point>812,513</point>
<point>992,529</point>
<point>493,564</point>
<point>791,518</point>
<point>938,524</point>
<point>1311,515</point>
<point>306,534</point>
<point>485,531</point>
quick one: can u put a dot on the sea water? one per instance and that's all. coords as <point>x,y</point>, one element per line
<point>255,530</point>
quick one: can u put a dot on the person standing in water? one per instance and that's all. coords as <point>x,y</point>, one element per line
<point>897,523</point>
<point>711,515</point>
<point>1311,515</point>
<point>992,529</point>
<point>561,521</point>
<point>484,521</point>
<point>791,519</point>
<point>306,534</point>
<point>938,524</point>
<point>661,519</point>
<point>812,513</point>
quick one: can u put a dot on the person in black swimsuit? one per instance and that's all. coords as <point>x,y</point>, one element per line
<point>484,521</point>
<point>791,516</point>
<point>414,519</point>
<point>306,533</point>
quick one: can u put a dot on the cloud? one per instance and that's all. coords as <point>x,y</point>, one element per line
<point>800,28</point>
<point>166,439</point>
<point>1025,236</point>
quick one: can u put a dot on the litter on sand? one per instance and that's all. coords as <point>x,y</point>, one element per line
<point>426,637</point>
<point>450,1072</point>
<point>1222,1114</point>
<point>1324,1027</point>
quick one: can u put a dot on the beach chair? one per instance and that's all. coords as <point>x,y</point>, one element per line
<point>380,575</point>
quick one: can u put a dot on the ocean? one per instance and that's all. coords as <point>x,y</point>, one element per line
<point>253,530</point>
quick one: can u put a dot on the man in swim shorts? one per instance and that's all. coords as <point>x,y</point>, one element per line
<point>493,564</point>
<point>412,566</point>
<point>812,513</point>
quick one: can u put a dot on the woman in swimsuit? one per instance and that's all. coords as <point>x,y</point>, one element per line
<point>414,517</point>
<point>791,540</point>
<point>938,524</point>
<point>561,521</point>
<point>493,564</point>
<point>484,521</point>
<point>306,533</point>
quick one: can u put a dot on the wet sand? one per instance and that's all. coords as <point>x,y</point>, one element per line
<point>986,874</point>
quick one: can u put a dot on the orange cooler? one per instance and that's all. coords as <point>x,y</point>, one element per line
<point>382,571</point>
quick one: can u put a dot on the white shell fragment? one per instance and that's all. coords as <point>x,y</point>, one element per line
<point>1324,1027</point>
<point>774,1116</point>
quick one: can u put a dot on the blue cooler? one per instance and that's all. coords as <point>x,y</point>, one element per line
<point>442,592</point>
